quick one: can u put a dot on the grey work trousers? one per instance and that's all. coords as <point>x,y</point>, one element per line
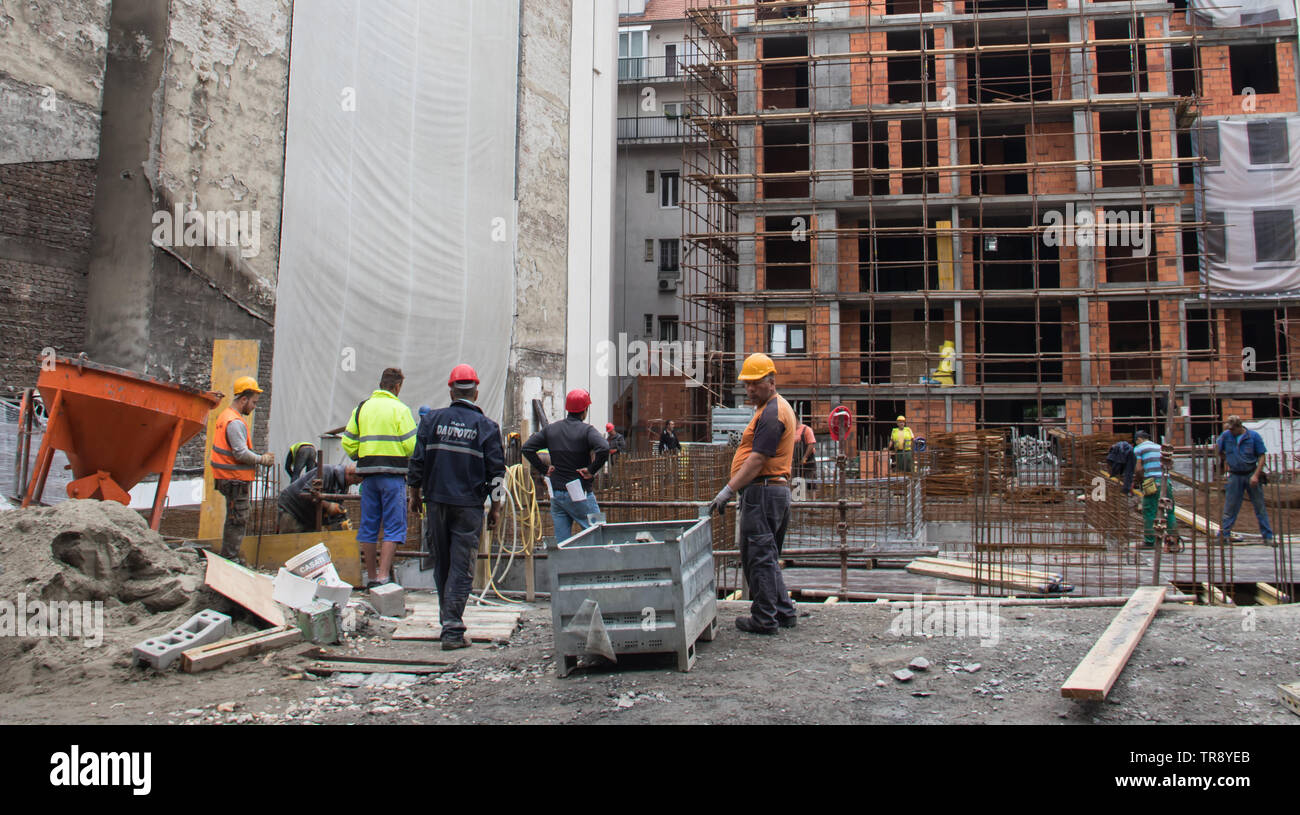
<point>237,510</point>
<point>454,535</point>
<point>764,515</point>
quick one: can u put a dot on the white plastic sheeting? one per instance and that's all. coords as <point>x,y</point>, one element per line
<point>1235,13</point>
<point>1252,188</point>
<point>399,216</point>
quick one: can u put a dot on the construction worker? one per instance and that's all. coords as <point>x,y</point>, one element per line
<point>1154,484</point>
<point>458,464</point>
<point>1241,456</point>
<point>668,443</point>
<point>298,506</point>
<point>900,444</point>
<point>234,465</point>
<point>760,473</point>
<point>380,436</point>
<point>299,459</point>
<point>577,453</point>
<point>805,451</point>
<point>617,444</point>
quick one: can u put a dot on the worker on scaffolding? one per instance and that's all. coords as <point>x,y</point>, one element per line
<point>458,465</point>
<point>668,443</point>
<point>760,473</point>
<point>617,444</point>
<point>1154,484</point>
<point>300,458</point>
<point>234,464</point>
<point>577,452</point>
<point>1241,455</point>
<point>900,445</point>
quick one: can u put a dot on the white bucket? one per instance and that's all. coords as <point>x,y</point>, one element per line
<point>312,564</point>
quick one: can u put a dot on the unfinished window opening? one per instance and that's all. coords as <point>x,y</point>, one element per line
<point>1216,237</point>
<point>1128,416</point>
<point>1013,348</point>
<point>1183,64</point>
<point>1253,66</point>
<point>1120,67</point>
<point>903,7</point>
<point>1259,330</point>
<point>768,11</point>
<point>785,150</point>
<point>920,149</point>
<point>787,253</point>
<point>1134,340</point>
<point>1005,252</point>
<point>1206,422</point>
<point>1003,76</point>
<point>911,77</point>
<point>785,84</point>
<point>1186,169</point>
<point>876,338</point>
<point>1268,142</point>
<point>1274,407</point>
<point>876,418</point>
<point>1026,415</point>
<point>870,152</point>
<point>898,261</point>
<point>1274,235</point>
<point>1126,136</point>
<point>1191,252</point>
<point>1130,256</point>
<point>1202,334</point>
<point>997,146</point>
<point>985,6</point>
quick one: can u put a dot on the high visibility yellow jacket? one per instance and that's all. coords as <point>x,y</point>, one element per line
<point>380,435</point>
<point>901,439</point>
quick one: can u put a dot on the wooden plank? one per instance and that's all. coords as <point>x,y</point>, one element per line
<point>1019,571</point>
<point>990,576</point>
<point>431,658</point>
<point>374,668</point>
<point>231,359</point>
<point>248,588</point>
<point>1267,595</point>
<point>212,655</point>
<point>1096,674</point>
<point>1215,597</point>
<point>277,549</point>
<point>1196,521</point>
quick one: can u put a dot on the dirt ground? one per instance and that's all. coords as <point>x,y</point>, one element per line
<point>1195,665</point>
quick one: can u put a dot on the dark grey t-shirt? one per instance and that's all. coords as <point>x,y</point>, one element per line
<point>301,506</point>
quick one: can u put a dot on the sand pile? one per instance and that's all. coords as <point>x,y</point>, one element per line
<point>96,551</point>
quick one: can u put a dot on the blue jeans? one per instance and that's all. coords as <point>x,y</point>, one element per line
<point>565,512</point>
<point>383,509</point>
<point>1239,485</point>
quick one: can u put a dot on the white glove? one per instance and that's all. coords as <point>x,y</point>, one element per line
<point>720,500</point>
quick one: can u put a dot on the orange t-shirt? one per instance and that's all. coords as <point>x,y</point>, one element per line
<point>771,433</point>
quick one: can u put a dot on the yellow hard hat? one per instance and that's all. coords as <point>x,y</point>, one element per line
<point>756,367</point>
<point>246,383</point>
<point>902,418</point>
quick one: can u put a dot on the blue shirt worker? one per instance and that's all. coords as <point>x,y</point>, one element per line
<point>577,451</point>
<point>1147,454</point>
<point>1241,453</point>
<point>457,466</point>
<point>380,437</point>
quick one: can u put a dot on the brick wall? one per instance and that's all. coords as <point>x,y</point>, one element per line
<point>45,231</point>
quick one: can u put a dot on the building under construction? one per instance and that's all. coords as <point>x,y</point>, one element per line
<point>997,213</point>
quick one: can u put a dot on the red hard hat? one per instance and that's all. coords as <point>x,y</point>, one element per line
<point>577,401</point>
<point>609,428</point>
<point>462,373</point>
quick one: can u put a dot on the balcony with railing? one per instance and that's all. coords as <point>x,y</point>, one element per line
<point>665,129</point>
<point>667,68</point>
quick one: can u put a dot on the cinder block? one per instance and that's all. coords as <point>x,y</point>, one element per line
<point>389,600</point>
<point>160,652</point>
<point>319,622</point>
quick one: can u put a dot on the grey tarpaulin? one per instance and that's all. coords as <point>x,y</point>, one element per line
<point>586,631</point>
<point>398,223</point>
<point>1252,201</point>
<point>1235,13</point>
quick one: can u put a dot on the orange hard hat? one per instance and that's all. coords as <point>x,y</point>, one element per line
<point>462,373</point>
<point>577,401</point>
<point>246,383</point>
<point>756,367</point>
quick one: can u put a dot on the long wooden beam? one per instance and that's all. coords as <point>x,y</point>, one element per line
<point>1096,674</point>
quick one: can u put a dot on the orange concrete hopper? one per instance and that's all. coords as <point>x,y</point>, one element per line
<point>116,426</point>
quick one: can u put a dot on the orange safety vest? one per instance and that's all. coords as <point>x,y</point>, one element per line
<point>224,465</point>
<point>778,466</point>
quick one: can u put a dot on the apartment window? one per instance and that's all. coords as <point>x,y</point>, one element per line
<point>649,250</point>
<point>1268,142</point>
<point>670,59</point>
<point>650,181</point>
<point>1216,237</point>
<point>786,339</point>
<point>673,110</point>
<point>668,255</point>
<point>632,53</point>
<point>668,192</point>
<point>1253,66</point>
<point>1274,235</point>
<point>667,328</point>
<point>649,328</point>
<point>1207,142</point>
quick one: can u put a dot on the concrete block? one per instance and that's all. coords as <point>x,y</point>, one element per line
<point>318,621</point>
<point>389,600</point>
<point>160,652</point>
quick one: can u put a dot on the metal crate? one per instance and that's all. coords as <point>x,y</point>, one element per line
<point>654,597</point>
